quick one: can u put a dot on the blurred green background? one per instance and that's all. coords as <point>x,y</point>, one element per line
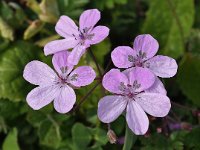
<point>27,25</point>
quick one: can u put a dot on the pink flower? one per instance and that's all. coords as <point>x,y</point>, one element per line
<point>129,95</point>
<point>77,38</point>
<point>56,87</point>
<point>143,55</point>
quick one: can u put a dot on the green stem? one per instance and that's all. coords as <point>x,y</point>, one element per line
<point>130,139</point>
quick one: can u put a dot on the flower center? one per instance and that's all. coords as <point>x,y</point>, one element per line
<point>129,90</point>
<point>138,60</point>
<point>84,35</point>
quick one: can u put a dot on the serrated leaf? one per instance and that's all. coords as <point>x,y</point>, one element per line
<point>10,142</point>
<point>12,63</point>
<point>81,136</point>
<point>49,134</point>
<point>188,77</point>
<point>170,21</point>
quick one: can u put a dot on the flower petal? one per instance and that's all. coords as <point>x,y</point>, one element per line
<point>76,54</point>
<point>82,76</point>
<point>142,78</point>
<point>113,79</point>
<point>60,45</point>
<point>122,56</point>
<point>89,18</point>
<point>60,63</point>
<point>111,107</point>
<point>39,73</point>
<point>157,87</point>
<point>66,27</point>
<point>146,44</point>
<point>136,118</point>
<point>65,100</point>
<point>41,96</point>
<point>155,104</point>
<point>100,33</point>
<point>163,66</point>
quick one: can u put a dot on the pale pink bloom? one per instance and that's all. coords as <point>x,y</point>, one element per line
<point>56,87</point>
<point>77,38</point>
<point>143,55</point>
<point>129,96</point>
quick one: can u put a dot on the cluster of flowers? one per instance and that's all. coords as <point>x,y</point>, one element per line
<point>137,89</point>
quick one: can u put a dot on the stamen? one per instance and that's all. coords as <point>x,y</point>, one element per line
<point>136,85</point>
<point>131,58</point>
<point>74,77</point>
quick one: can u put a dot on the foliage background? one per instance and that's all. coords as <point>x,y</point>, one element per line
<point>25,27</point>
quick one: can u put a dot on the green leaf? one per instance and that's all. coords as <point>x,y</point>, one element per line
<point>49,134</point>
<point>5,11</point>
<point>170,21</point>
<point>188,76</point>
<point>101,49</point>
<point>72,8</point>
<point>10,142</point>
<point>99,137</point>
<point>34,5</point>
<point>50,12</point>
<point>8,109</point>
<point>81,136</point>
<point>192,139</point>
<point>193,42</point>
<point>12,63</point>
<point>5,30</point>
<point>44,41</point>
<point>33,29</point>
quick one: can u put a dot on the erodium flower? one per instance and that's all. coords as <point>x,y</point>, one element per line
<point>129,96</point>
<point>56,87</point>
<point>78,38</point>
<point>143,55</point>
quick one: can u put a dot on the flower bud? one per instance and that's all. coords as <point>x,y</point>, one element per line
<point>112,136</point>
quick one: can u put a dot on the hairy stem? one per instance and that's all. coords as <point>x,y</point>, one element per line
<point>86,96</point>
<point>95,61</point>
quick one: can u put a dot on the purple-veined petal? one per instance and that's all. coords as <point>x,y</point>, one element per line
<point>146,44</point>
<point>123,56</point>
<point>113,80</point>
<point>76,54</point>
<point>155,104</point>
<point>163,66</point>
<point>136,118</point>
<point>42,96</point>
<point>111,107</point>
<point>39,73</point>
<point>66,27</point>
<point>60,63</point>
<point>100,33</point>
<point>141,78</point>
<point>60,45</point>
<point>157,87</point>
<point>82,76</point>
<point>89,18</point>
<point>65,100</point>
